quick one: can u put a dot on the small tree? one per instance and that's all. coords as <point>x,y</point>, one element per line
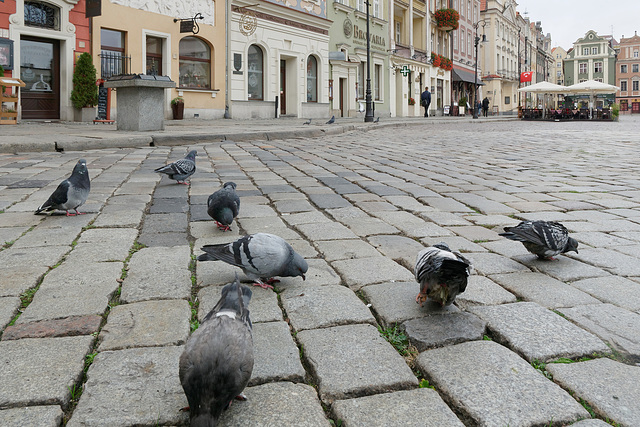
<point>85,91</point>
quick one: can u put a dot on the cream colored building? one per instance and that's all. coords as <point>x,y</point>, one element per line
<point>499,56</point>
<point>136,36</point>
<point>558,54</point>
<point>279,59</point>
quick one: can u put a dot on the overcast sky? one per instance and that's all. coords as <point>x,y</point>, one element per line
<point>568,20</point>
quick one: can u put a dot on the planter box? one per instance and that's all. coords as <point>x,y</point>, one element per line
<point>461,111</point>
<point>86,114</point>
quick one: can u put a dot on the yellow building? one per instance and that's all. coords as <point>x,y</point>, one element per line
<point>140,37</point>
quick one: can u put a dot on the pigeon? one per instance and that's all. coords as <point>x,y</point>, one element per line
<point>260,256</point>
<point>308,122</point>
<point>545,239</point>
<point>441,273</point>
<point>71,193</point>
<point>217,361</point>
<point>332,120</point>
<point>181,169</point>
<point>223,206</point>
<point>377,120</point>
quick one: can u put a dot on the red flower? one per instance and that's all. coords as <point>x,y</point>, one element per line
<point>447,18</point>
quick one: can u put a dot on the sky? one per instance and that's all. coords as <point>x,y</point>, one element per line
<point>568,20</point>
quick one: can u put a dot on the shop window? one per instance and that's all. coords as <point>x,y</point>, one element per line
<point>154,56</point>
<point>255,75</point>
<point>195,64</point>
<point>376,79</point>
<point>312,79</point>
<point>41,15</point>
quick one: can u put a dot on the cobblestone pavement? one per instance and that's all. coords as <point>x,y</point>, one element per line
<point>95,309</point>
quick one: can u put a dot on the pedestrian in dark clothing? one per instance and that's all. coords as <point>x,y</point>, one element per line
<point>485,106</point>
<point>425,101</point>
<point>478,108</point>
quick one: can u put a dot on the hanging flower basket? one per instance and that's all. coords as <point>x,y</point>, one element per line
<point>446,64</point>
<point>447,19</point>
<point>435,59</point>
<point>412,101</point>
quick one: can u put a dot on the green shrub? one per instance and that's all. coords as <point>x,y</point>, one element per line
<point>85,91</point>
<point>615,111</point>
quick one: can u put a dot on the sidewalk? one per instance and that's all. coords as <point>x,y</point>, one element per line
<point>49,136</point>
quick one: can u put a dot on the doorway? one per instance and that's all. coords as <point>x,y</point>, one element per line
<point>40,70</point>
<point>343,87</point>
<point>283,87</point>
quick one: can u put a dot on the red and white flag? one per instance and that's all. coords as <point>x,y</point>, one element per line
<point>526,76</point>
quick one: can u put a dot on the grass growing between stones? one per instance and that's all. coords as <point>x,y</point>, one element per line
<point>400,341</point>
<point>542,368</point>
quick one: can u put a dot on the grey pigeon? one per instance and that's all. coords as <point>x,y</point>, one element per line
<point>223,206</point>
<point>377,120</point>
<point>71,193</point>
<point>308,122</point>
<point>441,273</point>
<point>217,361</point>
<point>545,239</point>
<point>331,120</point>
<point>261,256</point>
<point>182,169</point>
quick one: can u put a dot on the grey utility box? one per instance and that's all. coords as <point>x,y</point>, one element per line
<point>140,101</point>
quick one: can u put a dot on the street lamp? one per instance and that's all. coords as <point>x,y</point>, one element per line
<point>368,115</point>
<point>475,74</point>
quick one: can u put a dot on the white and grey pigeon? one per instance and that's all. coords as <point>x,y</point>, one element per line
<point>441,273</point>
<point>217,361</point>
<point>71,193</point>
<point>308,122</point>
<point>261,256</point>
<point>223,206</point>
<point>181,169</point>
<point>545,239</point>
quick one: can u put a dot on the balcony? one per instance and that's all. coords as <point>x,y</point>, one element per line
<point>114,64</point>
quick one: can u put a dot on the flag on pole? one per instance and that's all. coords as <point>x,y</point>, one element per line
<point>526,76</point>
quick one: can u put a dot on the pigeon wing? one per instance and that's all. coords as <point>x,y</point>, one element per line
<point>551,234</point>
<point>58,197</point>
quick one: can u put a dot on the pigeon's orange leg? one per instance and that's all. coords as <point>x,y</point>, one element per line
<point>70,214</point>
<point>222,226</point>
<point>263,285</point>
<point>421,298</point>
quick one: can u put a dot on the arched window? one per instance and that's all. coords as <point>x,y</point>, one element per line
<point>41,15</point>
<point>255,75</point>
<point>195,64</point>
<point>312,79</point>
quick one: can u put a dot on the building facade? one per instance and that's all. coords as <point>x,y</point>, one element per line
<point>628,75</point>
<point>46,38</point>
<point>348,58</point>
<point>592,58</point>
<point>558,54</point>
<point>463,75</point>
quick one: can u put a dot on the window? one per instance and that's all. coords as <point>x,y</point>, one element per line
<point>623,68</point>
<point>469,43</point>
<point>585,51</point>
<point>376,81</point>
<point>623,85</point>
<point>635,53</point>
<point>634,68</point>
<point>634,85</point>
<point>558,73</point>
<point>195,63</point>
<point>594,50</point>
<point>312,79</point>
<point>462,42</point>
<point>582,67</point>
<point>361,80</point>
<point>597,67</point>
<point>376,8</point>
<point>112,59</point>
<point>41,15</point>
<point>559,64</point>
<point>154,56</point>
<point>255,79</point>
<point>360,5</point>
<point>469,8</point>
<point>507,100</point>
<point>398,32</point>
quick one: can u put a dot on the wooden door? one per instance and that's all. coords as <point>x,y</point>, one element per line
<point>283,87</point>
<point>342,88</point>
<point>40,70</point>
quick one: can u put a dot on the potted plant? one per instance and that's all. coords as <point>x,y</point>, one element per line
<point>84,95</point>
<point>412,101</point>
<point>447,19</point>
<point>462,105</point>
<point>615,112</point>
<point>177,106</point>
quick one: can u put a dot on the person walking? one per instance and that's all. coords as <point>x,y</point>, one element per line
<point>425,101</point>
<point>485,106</point>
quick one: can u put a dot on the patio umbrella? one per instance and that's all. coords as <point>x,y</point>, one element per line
<point>592,88</point>
<point>544,87</point>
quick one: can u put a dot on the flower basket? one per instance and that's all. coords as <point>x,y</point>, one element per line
<point>447,19</point>
<point>435,59</point>
<point>412,101</point>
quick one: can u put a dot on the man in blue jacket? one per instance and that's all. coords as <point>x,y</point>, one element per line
<point>425,101</point>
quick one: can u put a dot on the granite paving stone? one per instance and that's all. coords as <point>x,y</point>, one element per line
<point>476,233</point>
<point>397,248</point>
<point>329,201</point>
<point>615,325</point>
<point>492,386</point>
<point>563,268</point>
<point>305,218</point>
<point>537,333</point>
<point>271,225</point>
<point>345,362</point>
<point>445,204</point>
<point>276,356</point>
<point>369,226</point>
<point>163,239</point>
<point>104,244</point>
<point>69,326</point>
<point>612,261</point>
<point>592,422</point>
<point>138,386</point>
<point>616,290</point>
<point>55,236</point>
<point>508,248</point>
<point>395,302</point>
<point>609,387</point>
<point>320,274</point>
<point>422,407</point>
<point>438,331</point>
<point>444,219</point>
<point>158,273</point>
<point>59,360</point>
<point>456,243</point>
<point>312,307</point>
<point>8,309</point>
<point>116,216</point>
<point>19,219</point>
<point>263,306</point>
<point>32,416</point>
<point>277,404</point>
<point>325,231</point>
<point>208,229</point>
<point>255,211</point>
<point>146,324</point>
<point>10,234</point>
<point>293,206</point>
<point>483,291</point>
<point>412,225</point>
<point>74,289</point>
<point>490,263</point>
<point>365,271</point>
<point>332,250</point>
<point>165,222</point>
<point>482,204</point>
<point>542,289</point>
